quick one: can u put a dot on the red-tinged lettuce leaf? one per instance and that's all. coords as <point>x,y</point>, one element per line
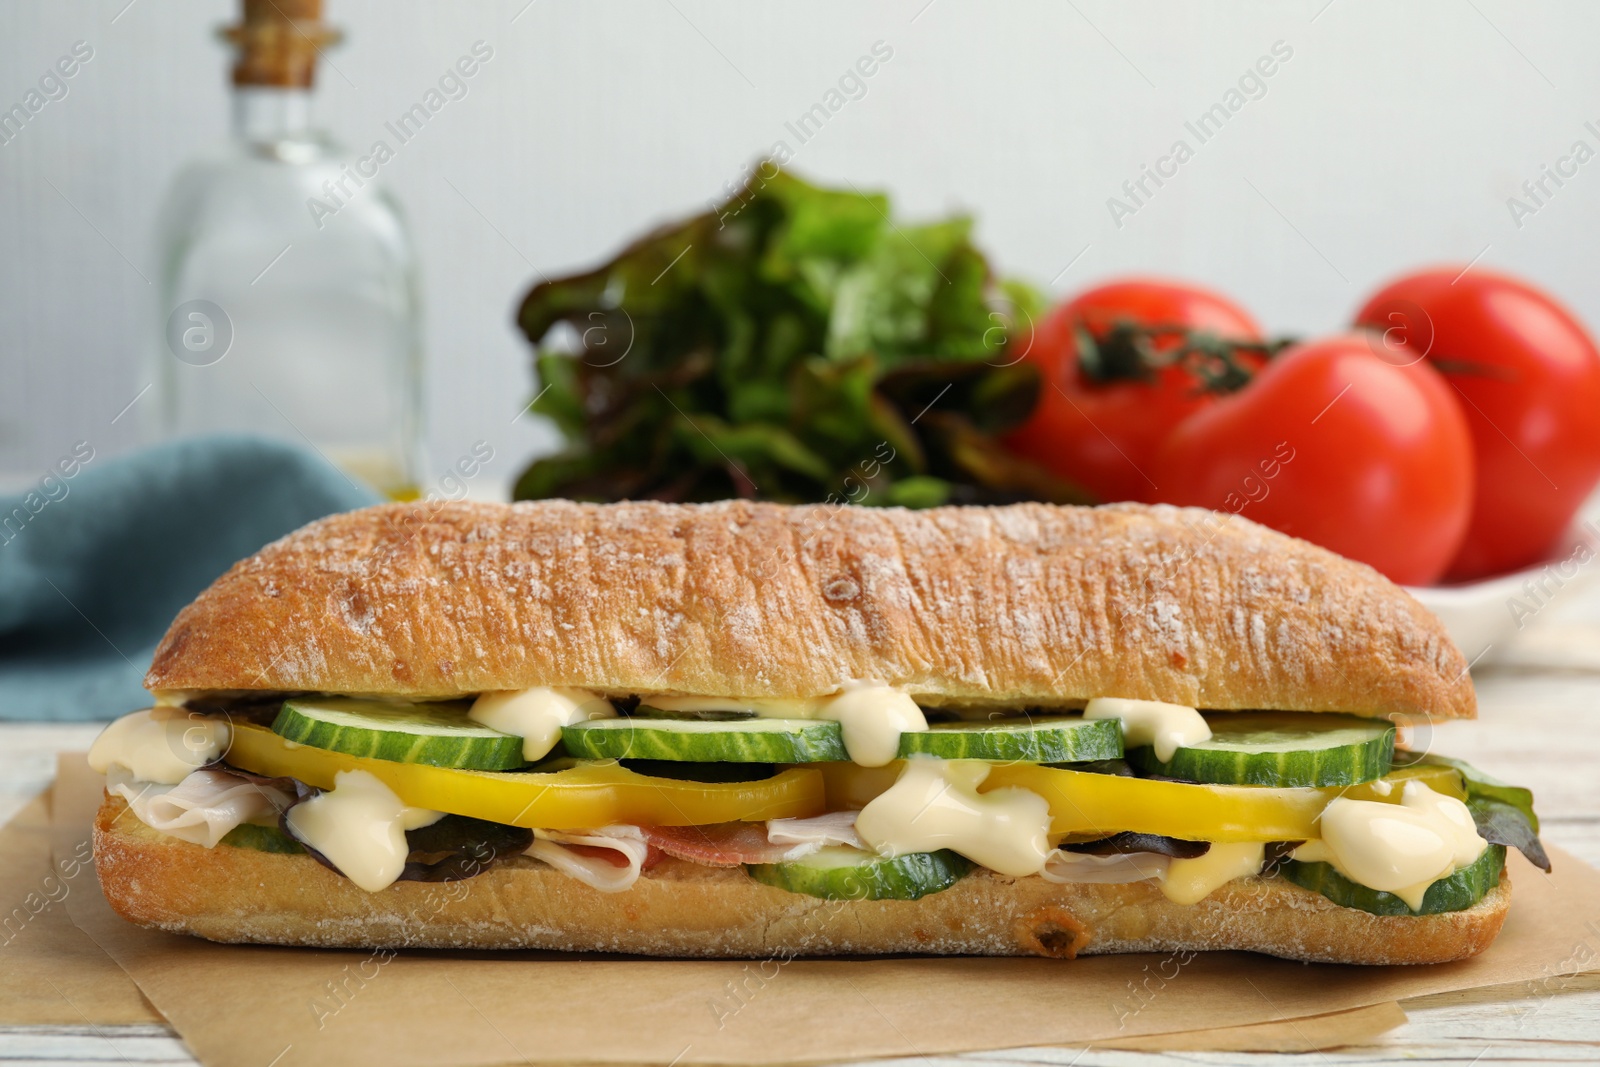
<point>454,848</point>
<point>1127,842</point>
<point>785,345</point>
<point>1503,812</point>
<point>458,846</point>
<point>1481,785</point>
<point>1500,823</point>
<point>981,460</point>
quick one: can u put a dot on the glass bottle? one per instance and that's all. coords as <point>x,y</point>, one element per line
<point>288,286</point>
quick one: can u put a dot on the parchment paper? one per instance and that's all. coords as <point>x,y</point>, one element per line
<point>241,1006</point>
<point>50,972</point>
<point>1358,1026</point>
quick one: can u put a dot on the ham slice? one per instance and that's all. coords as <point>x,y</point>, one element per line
<point>1118,869</point>
<point>728,844</point>
<point>203,807</point>
<point>608,859</point>
<point>834,828</point>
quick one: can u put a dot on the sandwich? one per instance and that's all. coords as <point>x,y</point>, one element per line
<point>754,730</point>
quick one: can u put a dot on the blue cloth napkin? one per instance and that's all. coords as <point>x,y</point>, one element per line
<point>95,563</point>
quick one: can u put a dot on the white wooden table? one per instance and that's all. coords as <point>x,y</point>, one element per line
<point>1539,726</point>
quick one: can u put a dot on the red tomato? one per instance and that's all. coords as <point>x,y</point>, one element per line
<point>1103,436</point>
<point>1527,376</point>
<point>1332,444</point>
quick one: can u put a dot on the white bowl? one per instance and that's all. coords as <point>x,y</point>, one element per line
<point>1484,616</point>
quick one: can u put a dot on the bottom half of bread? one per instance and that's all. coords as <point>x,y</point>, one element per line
<point>683,909</point>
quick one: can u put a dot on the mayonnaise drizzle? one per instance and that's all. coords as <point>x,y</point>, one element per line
<point>1397,848</point>
<point>537,715</point>
<point>1189,881</point>
<point>1182,881</point>
<point>871,717</point>
<point>360,827</point>
<point>161,745</point>
<point>935,804</point>
<point>1168,727</point>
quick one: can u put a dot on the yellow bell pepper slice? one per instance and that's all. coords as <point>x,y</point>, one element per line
<point>574,799</point>
<point>1438,777</point>
<point>1098,805</point>
<point>1103,804</point>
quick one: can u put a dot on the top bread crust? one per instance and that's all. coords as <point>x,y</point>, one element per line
<point>1025,605</point>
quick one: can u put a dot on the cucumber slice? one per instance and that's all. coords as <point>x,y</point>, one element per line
<point>261,839</point>
<point>1057,739</point>
<point>744,741</point>
<point>839,873</point>
<point>1458,892</point>
<point>1280,749</point>
<point>439,735</point>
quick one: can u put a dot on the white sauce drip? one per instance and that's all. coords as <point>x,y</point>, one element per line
<point>1182,881</point>
<point>871,717</point>
<point>161,745</point>
<point>1191,881</point>
<point>935,804</point>
<point>200,809</point>
<point>1168,727</point>
<point>360,826</point>
<point>537,715</point>
<point>1397,848</point>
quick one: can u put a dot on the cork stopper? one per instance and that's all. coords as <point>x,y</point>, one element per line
<point>278,42</point>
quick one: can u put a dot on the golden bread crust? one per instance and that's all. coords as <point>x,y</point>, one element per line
<point>1023,605</point>
<point>680,909</point>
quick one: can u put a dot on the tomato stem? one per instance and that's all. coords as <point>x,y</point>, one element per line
<point>1137,351</point>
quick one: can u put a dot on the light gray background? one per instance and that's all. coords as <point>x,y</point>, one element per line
<point>1393,137</point>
